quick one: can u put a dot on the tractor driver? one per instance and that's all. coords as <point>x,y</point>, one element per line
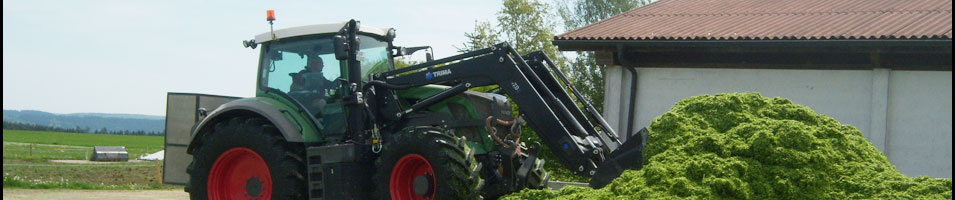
<point>311,83</point>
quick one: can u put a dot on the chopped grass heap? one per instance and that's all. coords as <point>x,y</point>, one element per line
<point>746,146</point>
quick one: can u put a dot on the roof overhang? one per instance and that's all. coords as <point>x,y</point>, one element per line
<point>911,54</point>
<point>611,45</point>
<point>316,29</point>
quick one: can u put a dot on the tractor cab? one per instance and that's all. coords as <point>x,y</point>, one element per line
<point>299,66</point>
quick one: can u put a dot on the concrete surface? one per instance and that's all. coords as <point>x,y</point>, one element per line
<point>16,194</point>
<point>557,185</point>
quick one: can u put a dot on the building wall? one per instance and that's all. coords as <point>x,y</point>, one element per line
<point>905,114</point>
<point>919,139</point>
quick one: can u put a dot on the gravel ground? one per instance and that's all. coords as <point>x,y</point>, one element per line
<point>14,194</point>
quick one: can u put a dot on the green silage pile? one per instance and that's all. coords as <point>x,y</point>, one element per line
<point>746,146</point>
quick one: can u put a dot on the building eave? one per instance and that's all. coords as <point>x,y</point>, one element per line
<point>600,45</point>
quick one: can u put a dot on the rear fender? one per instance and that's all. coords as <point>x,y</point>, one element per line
<point>291,131</point>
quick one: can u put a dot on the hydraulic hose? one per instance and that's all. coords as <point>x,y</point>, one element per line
<point>515,131</point>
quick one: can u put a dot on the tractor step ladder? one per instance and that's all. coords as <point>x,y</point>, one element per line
<point>316,185</point>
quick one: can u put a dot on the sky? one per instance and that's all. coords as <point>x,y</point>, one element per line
<point>124,56</point>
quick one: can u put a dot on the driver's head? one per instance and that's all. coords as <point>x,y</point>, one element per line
<point>315,64</point>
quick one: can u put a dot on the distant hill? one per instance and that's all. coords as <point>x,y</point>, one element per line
<point>92,121</point>
<point>110,115</point>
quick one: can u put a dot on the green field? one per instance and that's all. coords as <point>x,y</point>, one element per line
<point>27,155</point>
<point>135,145</point>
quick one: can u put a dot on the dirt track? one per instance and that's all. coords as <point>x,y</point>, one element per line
<point>94,194</point>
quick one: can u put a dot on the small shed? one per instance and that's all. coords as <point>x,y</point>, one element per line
<point>109,153</point>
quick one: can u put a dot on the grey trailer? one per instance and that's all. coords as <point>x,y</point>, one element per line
<point>182,115</point>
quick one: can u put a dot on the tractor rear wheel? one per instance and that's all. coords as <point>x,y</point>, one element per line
<point>246,158</point>
<point>427,163</point>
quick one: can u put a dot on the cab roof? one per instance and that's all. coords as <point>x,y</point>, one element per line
<point>316,29</point>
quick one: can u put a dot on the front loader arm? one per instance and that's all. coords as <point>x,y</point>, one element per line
<point>580,143</point>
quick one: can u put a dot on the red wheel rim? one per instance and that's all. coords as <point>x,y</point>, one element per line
<point>403,176</point>
<point>239,173</point>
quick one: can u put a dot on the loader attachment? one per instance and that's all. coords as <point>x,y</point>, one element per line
<point>574,130</point>
<point>628,156</point>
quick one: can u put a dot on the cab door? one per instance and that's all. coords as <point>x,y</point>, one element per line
<point>285,70</point>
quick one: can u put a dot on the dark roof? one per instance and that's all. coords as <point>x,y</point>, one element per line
<point>775,20</point>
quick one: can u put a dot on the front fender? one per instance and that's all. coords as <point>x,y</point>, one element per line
<point>291,131</point>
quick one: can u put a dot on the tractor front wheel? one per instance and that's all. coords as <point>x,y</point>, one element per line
<point>427,163</point>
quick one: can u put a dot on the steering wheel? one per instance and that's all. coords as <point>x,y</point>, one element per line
<point>309,86</point>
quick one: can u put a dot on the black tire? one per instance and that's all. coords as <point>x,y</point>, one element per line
<point>455,170</point>
<point>284,160</point>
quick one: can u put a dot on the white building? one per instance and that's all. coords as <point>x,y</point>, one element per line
<point>883,66</point>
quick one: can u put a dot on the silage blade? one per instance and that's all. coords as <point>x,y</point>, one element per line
<point>628,156</point>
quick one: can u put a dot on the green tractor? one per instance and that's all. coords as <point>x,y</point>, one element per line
<point>334,119</point>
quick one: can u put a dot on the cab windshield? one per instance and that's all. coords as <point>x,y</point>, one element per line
<point>306,70</point>
<point>373,56</point>
<point>286,61</point>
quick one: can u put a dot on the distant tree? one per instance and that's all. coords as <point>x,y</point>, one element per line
<point>34,127</point>
<point>525,24</point>
<point>579,13</point>
<point>587,75</point>
<point>528,26</point>
<point>484,35</point>
<point>401,62</point>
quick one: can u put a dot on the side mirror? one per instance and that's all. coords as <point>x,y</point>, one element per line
<point>341,47</point>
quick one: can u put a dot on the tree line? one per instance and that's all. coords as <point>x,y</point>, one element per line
<point>530,25</point>
<point>35,127</point>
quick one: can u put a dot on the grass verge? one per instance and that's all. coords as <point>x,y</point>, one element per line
<point>17,182</point>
